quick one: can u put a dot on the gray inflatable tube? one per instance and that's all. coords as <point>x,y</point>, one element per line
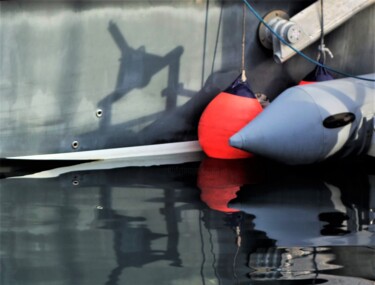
<point>310,123</point>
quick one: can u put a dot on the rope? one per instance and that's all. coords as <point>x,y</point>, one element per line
<point>256,14</point>
<point>322,54</point>
<point>205,42</point>
<point>322,22</point>
<point>217,37</point>
<point>243,76</point>
<point>322,48</point>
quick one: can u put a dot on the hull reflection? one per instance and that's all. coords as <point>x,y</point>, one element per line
<point>97,223</point>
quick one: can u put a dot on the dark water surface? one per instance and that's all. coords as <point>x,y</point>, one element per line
<point>199,222</point>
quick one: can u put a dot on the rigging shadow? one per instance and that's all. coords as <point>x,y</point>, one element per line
<point>174,123</point>
<point>137,67</point>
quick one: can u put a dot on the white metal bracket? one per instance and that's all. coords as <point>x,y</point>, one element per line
<point>304,28</point>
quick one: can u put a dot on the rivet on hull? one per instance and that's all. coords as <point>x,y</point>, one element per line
<point>99,113</point>
<point>75,144</point>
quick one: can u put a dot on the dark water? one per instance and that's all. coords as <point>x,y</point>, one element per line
<point>199,222</point>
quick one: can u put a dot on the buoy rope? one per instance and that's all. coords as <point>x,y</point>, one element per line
<point>321,22</point>
<point>217,38</point>
<point>322,47</point>
<point>256,14</point>
<point>243,75</point>
<point>205,42</point>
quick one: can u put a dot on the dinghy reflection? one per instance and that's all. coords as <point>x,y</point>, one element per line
<point>314,224</point>
<point>298,210</point>
<point>293,227</point>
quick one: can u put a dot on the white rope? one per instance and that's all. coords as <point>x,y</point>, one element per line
<point>243,75</point>
<point>323,50</point>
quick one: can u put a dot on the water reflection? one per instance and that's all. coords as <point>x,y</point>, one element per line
<point>296,217</point>
<point>132,238</point>
<point>219,180</point>
<point>306,211</point>
<point>199,222</point>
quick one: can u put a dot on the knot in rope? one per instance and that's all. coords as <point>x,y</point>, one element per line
<point>323,50</point>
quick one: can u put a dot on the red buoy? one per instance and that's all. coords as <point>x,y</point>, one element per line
<point>225,115</point>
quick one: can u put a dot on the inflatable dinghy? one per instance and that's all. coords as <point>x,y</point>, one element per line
<point>310,123</point>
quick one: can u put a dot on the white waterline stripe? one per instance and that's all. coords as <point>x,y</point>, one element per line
<point>124,152</point>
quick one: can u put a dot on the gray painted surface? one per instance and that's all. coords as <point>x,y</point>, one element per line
<point>150,66</point>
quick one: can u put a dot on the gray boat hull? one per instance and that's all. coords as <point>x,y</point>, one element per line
<point>79,76</point>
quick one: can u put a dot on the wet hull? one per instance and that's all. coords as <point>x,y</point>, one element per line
<point>84,76</point>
